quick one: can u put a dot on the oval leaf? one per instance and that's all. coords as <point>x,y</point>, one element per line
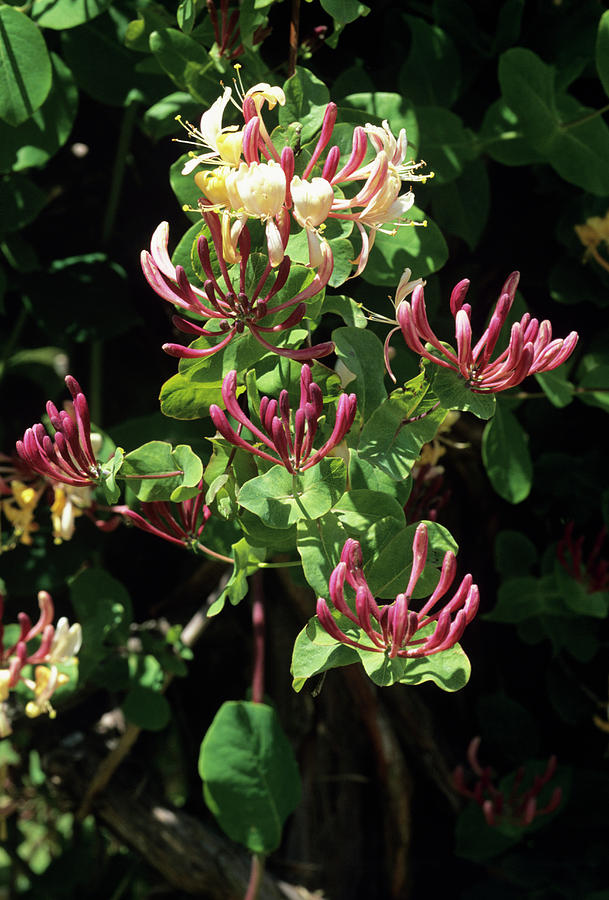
<point>251,780</point>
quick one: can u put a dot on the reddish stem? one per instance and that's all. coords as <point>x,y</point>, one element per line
<point>258,630</point>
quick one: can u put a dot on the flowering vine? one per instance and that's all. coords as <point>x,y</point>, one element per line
<point>230,307</point>
<point>530,349</point>
<point>263,183</point>
<point>289,438</point>
<point>394,628</point>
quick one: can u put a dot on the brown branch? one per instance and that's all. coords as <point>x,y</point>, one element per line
<point>294,28</point>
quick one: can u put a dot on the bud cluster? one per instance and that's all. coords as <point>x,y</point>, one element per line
<point>394,628</point>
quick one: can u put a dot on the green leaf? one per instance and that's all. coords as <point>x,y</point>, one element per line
<point>250,776</point>
<point>103,607</point>
<point>595,381</point>
<point>392,442</point>
<point>506,457</point>
<point>186,15</point>
<point>396,108</point>
<point>462,206</point>
<point>25,67</point>
<point>345,11</point>
<point>454,393</point>
<point>320,543</point>
<point>145,707</point>
<point>97,47</point>
<point>432,71</point>
<point>271,496</point>
<point>306,98</point>
<point>558,389</point>
<point>602,51</point>
<point>421,249</point>
<point>446,145</point>
<point>515,554</point>
<point>315,652</point>
<point>245,563</point>
<point>572,140</point>
<point>20,202</point>
<point>501,139</point>
<point>449,670</point>
<point>159,120</point>
<point>41,136</point>
<point>527,86</point>
<point>61,14</point>
<point>147,470</point>
<point>362,353</point>
<point>187,194</point>
<point>186,62</point>
<point>388,571</point>
<point>579,151</point>
<point>109,473</point>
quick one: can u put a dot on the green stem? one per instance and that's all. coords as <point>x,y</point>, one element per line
<point>592,115</point>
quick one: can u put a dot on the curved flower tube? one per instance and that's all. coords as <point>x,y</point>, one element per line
<point>394,628</point>
<point>289,438</point>
<point>178,523</point>
<point>530,349</point>
<point>230,305</point>
<point>68,458</point>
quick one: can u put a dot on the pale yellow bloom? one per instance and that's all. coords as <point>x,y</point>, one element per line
<point>592,233</point>
<point>46,681</point>
<point>224,143</point>
<point>5,677</point>
<point>68,504</point>
<point>20,509</point>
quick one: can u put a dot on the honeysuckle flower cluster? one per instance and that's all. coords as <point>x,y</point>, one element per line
<point>58,644</point>
<point>516,807</point>
<point>394,628</point>
<point>253,179</point>
<point>289,438</point>
<point>68,458</point>
<point>530,349</point>
<point>22,490</point>
<point>590,571</point>
<point>178,523</point>
<point>230,306</point>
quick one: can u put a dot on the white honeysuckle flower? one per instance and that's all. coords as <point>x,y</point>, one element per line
<point>382,138</point>
<point>263,91</point>
<point>66,642</point>
<point>312,200</point>
<point>406,286</point>
<point>224,142</point>
<point>258,189</point>
<point>213,185</point>
<point>68,504</point>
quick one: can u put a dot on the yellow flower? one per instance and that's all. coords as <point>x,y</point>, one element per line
<point>593,232</point>
<point>20,509</point>
<point>68,504</point>
<point>44,686</point>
